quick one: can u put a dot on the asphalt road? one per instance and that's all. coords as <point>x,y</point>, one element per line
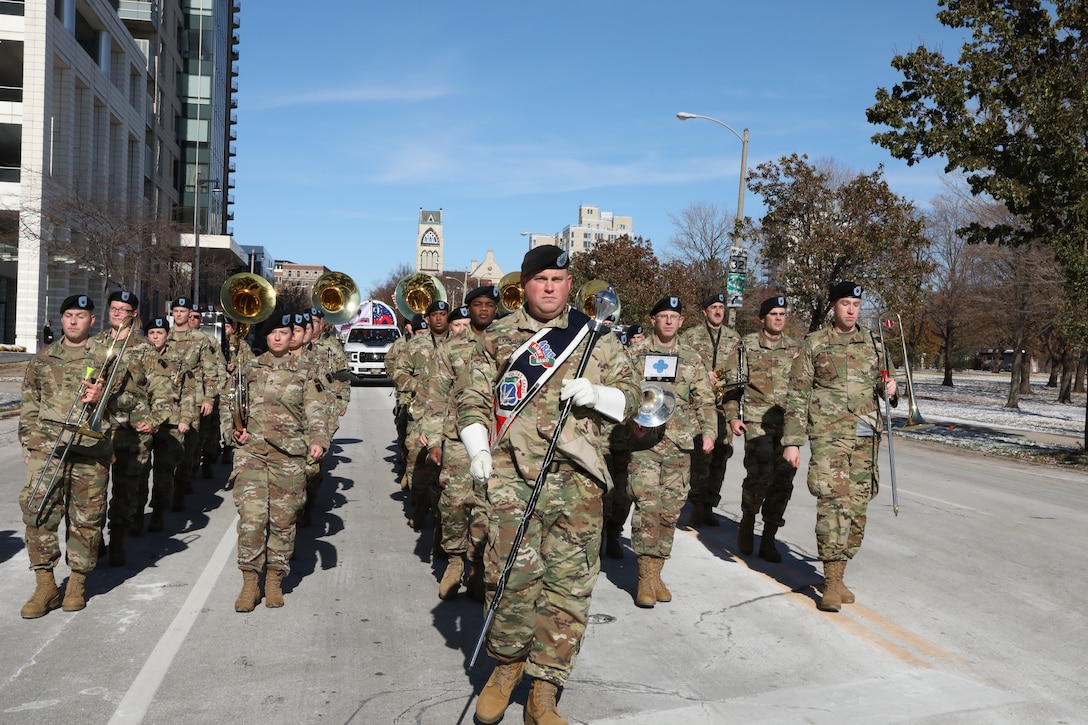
<point>971,609</point>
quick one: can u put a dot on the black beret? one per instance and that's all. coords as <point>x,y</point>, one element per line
<point>770,303</point>
<point>459,313</point>
<point>624,340</point>
<point>297,319</point>
<point>306,317</point>
<point>418,323</point>
<point>845,289</point>
<point>490,290</point>
<point>127,297</point>
<point>317,312</point>
<point>546,256</point>
<point>186,302</point>
<point>277,320</point>
<point>633,330</point>
<point>156,323</point>
<point>77,302</point>
<point>713,300</point>
<point>438,306</point>
<point>668,303</point>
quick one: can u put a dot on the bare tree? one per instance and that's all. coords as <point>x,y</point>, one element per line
<point>702,242</point>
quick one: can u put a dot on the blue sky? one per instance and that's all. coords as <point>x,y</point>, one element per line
<point>509,115</point>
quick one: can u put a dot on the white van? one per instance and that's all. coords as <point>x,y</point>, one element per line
<point>366,346</point>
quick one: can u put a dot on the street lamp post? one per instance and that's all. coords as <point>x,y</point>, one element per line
<point>736,253</point>
<point>533,235</point>
<point>214,184</point>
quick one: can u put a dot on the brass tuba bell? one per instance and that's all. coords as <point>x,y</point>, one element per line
<point>586,293</point>
<point>337,295</point>
<point>511,295</point>
<point>416,292</point>
<point>247,298</point>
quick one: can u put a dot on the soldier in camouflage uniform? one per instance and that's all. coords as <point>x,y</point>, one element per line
<point>320,369</point>
<point>285,428</point>
<point>422,474</point>
<point>461,503</point>
<point>617,501</point>
<point>139,416</point>
<point>661,456</point>
<point>718,344</point>
<point>768,485</point>
<point>168,442</point>
<point>835,386</point>
<point>211,444</point>
<point>64,379</point>
<point>400,407</point>
<point>200,359</point>
<point>540,621</point>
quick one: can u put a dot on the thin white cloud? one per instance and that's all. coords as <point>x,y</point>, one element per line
<point>351,95</point>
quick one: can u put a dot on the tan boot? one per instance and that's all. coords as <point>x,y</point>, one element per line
<point>75,592</point>
<point>646,596</point>
<point>451,579</point>
<point>845,594</point>
<point>494,698</point>
<point>767,549</point>
<point>661,592</point>
<point>251,592</point>
<point>45,596</point>
<point>746,534</point>
<point>540,708</point>
<point>832,599</point>
<point>117,546</point>
<point>273,588</point>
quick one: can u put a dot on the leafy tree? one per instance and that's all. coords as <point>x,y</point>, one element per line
<point>630,266</point>
<point>819,230</point>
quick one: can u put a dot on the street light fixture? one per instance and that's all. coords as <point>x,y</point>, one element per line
<point>214,188</point>
<point>533,235</point>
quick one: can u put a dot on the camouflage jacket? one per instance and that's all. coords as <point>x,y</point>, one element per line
<point>833,382</point>
<point>767,365</point>
<point>51,389</point>
<point>694,414</point>
<point>724,360</point>
<point>329,347</point>
<point>527,439</point>
<point>169,372</point>
<point>436,392</point>
<point>410,364</point>
<point>146,399</point>
<point>286,411</point>
<point>318,364</point>
<point>391,357</point>
<point>202,356</point>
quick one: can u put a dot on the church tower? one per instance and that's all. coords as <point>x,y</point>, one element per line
<point>429,242</point>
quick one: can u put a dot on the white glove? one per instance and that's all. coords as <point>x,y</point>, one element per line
<point>580,391</point>
<point>478,447</point>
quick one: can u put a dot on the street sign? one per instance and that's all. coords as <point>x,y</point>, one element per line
<point>734,287</point>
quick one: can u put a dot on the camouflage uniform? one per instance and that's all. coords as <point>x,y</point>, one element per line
<point>168,443</point>
<point>196,348</point>
<point>52,382</point>
<point>400,407</point>
<point>768,484</point>
<point>211,445</point>
<point>319,365</point>
<point>833,384</point>
<point>719,351</point>
<point>408,377</point>
<point>661,457</point>
<point>542,615</point>
<point>286,416</point>
<point>328,346</point>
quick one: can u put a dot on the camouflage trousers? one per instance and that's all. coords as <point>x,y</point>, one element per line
<point>131,457</point>
<point>400,417</point>
<point>842,476</point>
<point>659,487</point>
<point>80,496</point>
<point>183,474</point>
<point>462,504</point>
<point>211,444</point>
<point>269,490</point>
<point>617,502</point>
<point>167,451</point>
<point>422,474</point>
<point>768,484</point>
<point>708,470</point>
<point>543,612</point>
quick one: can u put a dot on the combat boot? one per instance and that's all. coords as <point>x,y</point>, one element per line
<point>251,592</point>
<point>661,592</point>
<point>746,533</point>
<point>157,522</point>
<point>117,546</point>
<point>476,589</point>
<point>273,588</point>
<point>451,579</point>
<point>421,504</point>
<point>696,518</point>
<point>540,708</point>
<point>612,547</point>
<point>495,697</point>
<point>767,550</point>
<point>45,596</point>
<point>75,592</point>
<point>646,595</point>
<point>832,598</point>
<point>709,517</point>
<point>845,594</point>
<point>137,527</point>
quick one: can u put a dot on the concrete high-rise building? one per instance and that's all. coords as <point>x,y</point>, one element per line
<point>115,107</point>
<point>594,226</point>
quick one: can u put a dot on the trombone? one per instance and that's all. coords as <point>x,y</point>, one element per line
<point>248,299</point>
<point>915,421</point>
<point>88,423</point>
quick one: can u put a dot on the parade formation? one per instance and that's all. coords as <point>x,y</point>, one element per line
<point>527,428</point>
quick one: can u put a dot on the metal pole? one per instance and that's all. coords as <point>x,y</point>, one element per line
<point>196,242</point>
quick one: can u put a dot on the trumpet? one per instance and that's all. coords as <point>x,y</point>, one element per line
<point>337,295</point>
<point>586,294</point>
<point>511,295</point>
<point>417,291</point>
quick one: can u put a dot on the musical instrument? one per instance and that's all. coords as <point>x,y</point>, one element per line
<point>511,295</point>
<point>587,293</point>
<point>888,419</point>
<point>88,422</point>
<point>337,295</point>
<point>915,421</point>
<point>416,292</point>
<point>657,405</point>
<point>248,299</point>
<point>724,387</point>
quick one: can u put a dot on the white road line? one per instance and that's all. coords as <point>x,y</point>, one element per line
<point>134,705</point>
<point>942,501</point>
